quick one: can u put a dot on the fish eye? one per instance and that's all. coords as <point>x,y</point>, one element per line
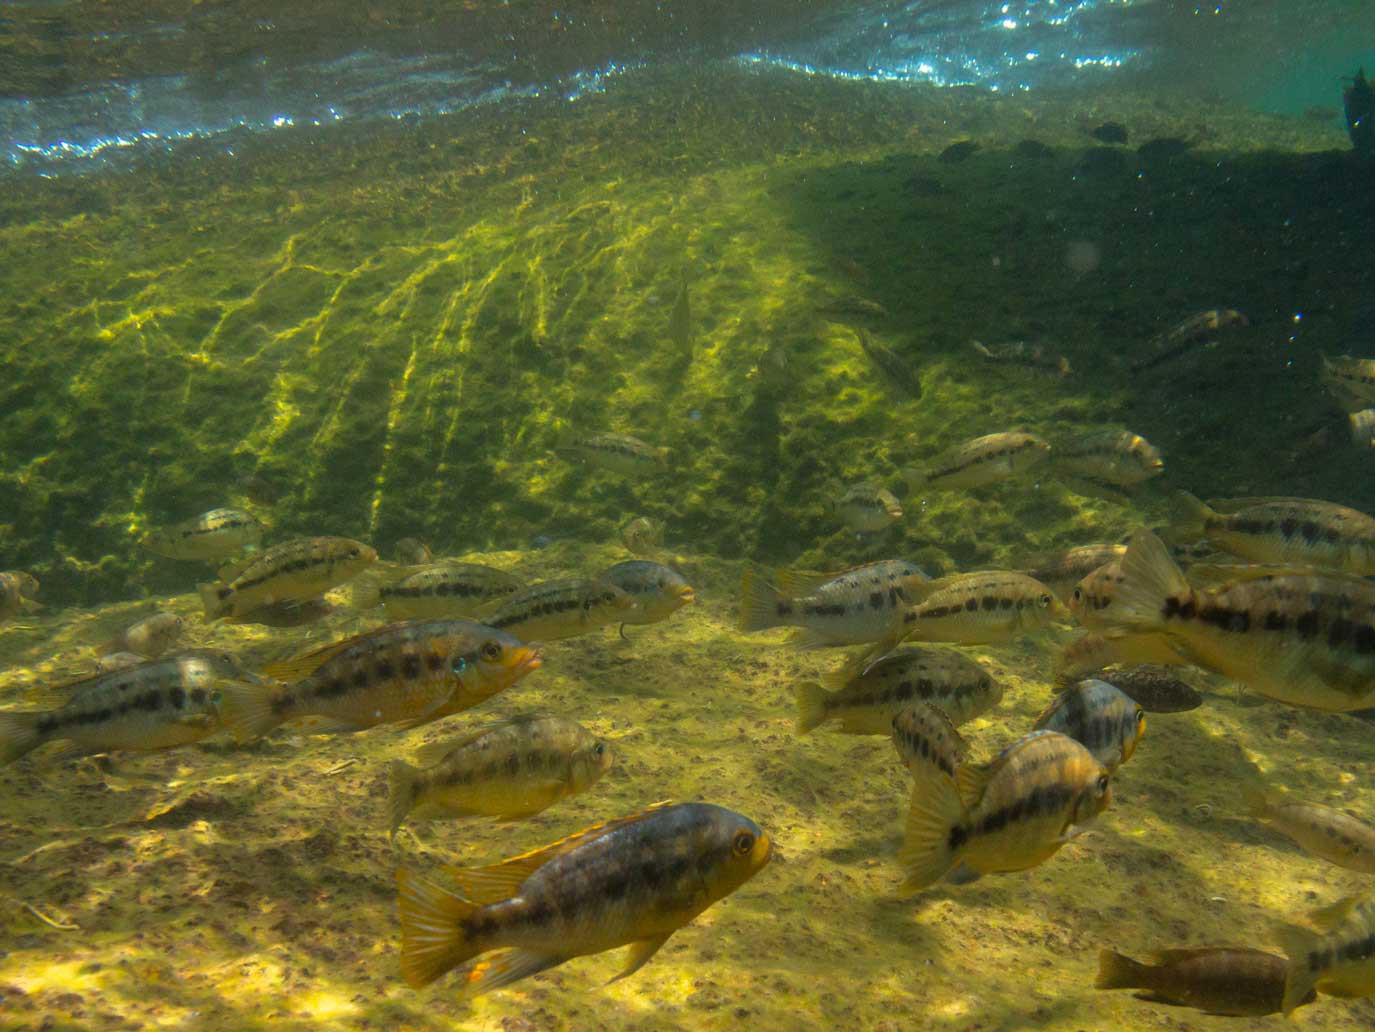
<point>1044,601</point>
<point>599,750</point>
<point>1101,784</point>
<point>216,696</point>
<point>353,553</point>
<point>460,664</point>
<point>742,843</point>
<point>1140,715</point>
<point>491,650</point>
<point>1078,594</point>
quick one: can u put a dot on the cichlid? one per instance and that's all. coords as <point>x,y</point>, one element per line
<point>1329,834</point>
<point>1093,595</point>
<point>404,673</point>
<point>413,552</point>
<point>294,571</point>
<point>617,453</point>
<point>633,881</point>
<point>923,734</point>
<point>559,609</point>
<point>17,590</point>
<point>289,613</point>
<point>1062,571</point>
<point>1117,458</point>
<point>657,591</point>
<point>445,589</point>
<point>1305,638</point>
<point>865,508</point>
<point>1010,815</point>
<point>150,637</point>
<point>980,608</point>
<point>154,705</point>
<point>980,462</point>
<point>1351,380</point>
<point>1092,652</point>
<point>860,605</point>
<point>211,536</point>
<point>118,661</point>
<point>1099,717</point>
<point>642,535</point>
<point>1226,980</point>
<point>1176,340</point>
<point>1337,959</point>
<point>1020,354</point>
<point>1155,688</point>
<point>866,698</point>
<point>513,769</point>
<point>1284,530</point>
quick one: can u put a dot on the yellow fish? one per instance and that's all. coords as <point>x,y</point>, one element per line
<point>1330,834</point>
<point>1337,959</point>
<point>294,571</point>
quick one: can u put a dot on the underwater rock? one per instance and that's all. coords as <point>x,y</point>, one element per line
<point>1358,100</point>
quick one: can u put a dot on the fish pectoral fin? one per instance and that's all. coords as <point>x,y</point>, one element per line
<point>971,780</point>
<point>509,967</point>
<point>639,955</point>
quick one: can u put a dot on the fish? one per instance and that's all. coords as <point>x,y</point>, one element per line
<point>1117,458</point>
<point>294,571</point>
<point>211,536</point>
<point>860,605</point>
<point>1338,958</point>
<point>1093,652</point>
<point>289,613</point>
<point>1226,980</point>
<point>980,462</point>
<point>853,305</point>
<point>413,552</point>
<point>1302,531</point>
<point>1154,688</point>
<point>1093,595</point>
<point>149,638</point>
<point>616,453</point>
<point>434,592</point>
<point>405,673</point>
<point>18,590</point>
<point>642,535</point>
<point>557,609</point>
<point>158,704</point>
<point>1305,638</point>
<point>923,734</point>
<point>1362,425</point>
<point>1062,571</point>
<point>632,881</point>
<point>1351,380</point>
<point>866,508</point>
<point>1176,340</point>
<point>657,591</point>
<point>887,361</point>
<point>866,697</point>
<point>118,661</point>
<point>1101,718</point>
<point>1330,834</point>
<point>1009,815</point>
<point>980,609</point>
<point>511,770</point>
<point>1019,354</point>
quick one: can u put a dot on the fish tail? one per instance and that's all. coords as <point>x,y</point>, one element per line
<point>1149,577</point>
<point>1300,979</point>
<point>366,591</point>
<point>1118,972</point>
<point>1193,519</point>
<point>434,938</point>
<point>926,854</point>
<point>404,783</point>
<point>214,602</point>
<point>759,599</point>
<point>19,735</point>
<point>1257,801</point>
<point>811,705</point>
<point>249,711</point>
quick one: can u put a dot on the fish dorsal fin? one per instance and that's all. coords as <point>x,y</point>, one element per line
<point>1237,504</point>
<point>235,566</point>
<point>796,583</point>
<point>972,780</point>
<point>299,667</point>
<point>432,752</point>
<point>500,881</point>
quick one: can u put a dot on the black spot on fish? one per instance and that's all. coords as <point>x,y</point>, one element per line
<point>1307,624</point>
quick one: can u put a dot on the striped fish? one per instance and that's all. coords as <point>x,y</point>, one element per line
<point>980,462</point>
<point>1176,340</point>
<point>980,608</point>
<point>1062,571</point>
<point>1010,815</point>
<point>557,609</point>
<point>1338,958</point>
<point>860,605</point>
<point>294,571</point>
<point>514,769</point>
<point>404,673</point>
<point>923,734</point>
<point>1305,638</point>
<point>1092,652</point>
<point>1117,458</point>
<point>1334,836</point>
<point>148,706</point>
<point>1093,595</point>
<point>617,453</point>
<point>867,697</point>
<point>633,881</point>
<point>149,637</point>
<point>1301,531</point>
<point>865,508</point>
<point>211,536</point>
<point>1100,718</point>
<point>1155,688</point>
<point>657,591</point>
<point>440,590</point>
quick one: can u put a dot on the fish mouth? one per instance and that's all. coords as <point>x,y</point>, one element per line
<point>686,596</point>
<point>525,661</point>
<point>762,852</point>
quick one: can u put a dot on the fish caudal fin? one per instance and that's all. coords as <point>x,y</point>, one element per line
<point>1118,972</point>
<point>934,810</point>
<point>1193,517</point>
<point>759,600</point>
<point>1149,578</point>
<point>433,939</point>
<point>1301,979</point>
<point>403,781</point>
<point>249,711</point>
<point>811,706</point>
<point>19,735</point>
<point>214,603</point>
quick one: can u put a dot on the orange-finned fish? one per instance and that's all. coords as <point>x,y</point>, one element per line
<point>633,881</point>
<point>405,673</point>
